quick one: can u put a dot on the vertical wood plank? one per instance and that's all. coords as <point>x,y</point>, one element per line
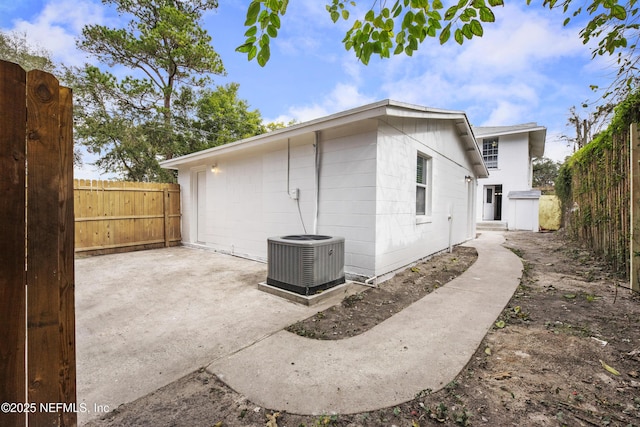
<point>43,275</point>
<point>67,324</point>
<point>634,194</point>
<point>167,212</point>
<point>12,235</point>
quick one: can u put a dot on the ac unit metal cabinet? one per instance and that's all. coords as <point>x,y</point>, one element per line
<point>305,263</point>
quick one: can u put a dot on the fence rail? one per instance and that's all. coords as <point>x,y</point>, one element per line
<point>114,216</point>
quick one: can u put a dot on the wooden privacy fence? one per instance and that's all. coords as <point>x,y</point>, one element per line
<point>37,317</point>
<point>114,216</point>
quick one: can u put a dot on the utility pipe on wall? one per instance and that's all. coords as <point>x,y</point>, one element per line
<point>316,145</point>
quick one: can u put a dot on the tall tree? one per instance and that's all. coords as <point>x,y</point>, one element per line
<point>545,172</point>
<point>209,118</point>
<point>128,122</point>
<point>164,40</point>
<point>586,127</point>
<point>129,138</point>
<point>14,47</point>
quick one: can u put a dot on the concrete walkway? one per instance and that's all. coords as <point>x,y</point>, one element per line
<point>423,347</point>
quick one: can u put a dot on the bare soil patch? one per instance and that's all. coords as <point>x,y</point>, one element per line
<point>360,312</point>
<point>564,352</point>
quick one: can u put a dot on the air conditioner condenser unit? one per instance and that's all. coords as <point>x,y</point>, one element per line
<point>305,263</point>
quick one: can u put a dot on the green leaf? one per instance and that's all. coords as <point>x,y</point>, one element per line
<point>566,21</point>
<point>457,36</point>
<point>500,324</point>
<point>466,31</point>
<point>486,15</point>
<point>263,56</point>
<point>450,13</point>
<point>389,24</point>
<point>335,16</point>
<point>494,3</point>
<point>252,13</point>
<point>275,20</point>
<point>476,28</point>
<point>619,12</point>
<point>369,16</point>
<point>245,48</point>
<point>272,31</point>
<point>407,20</point>
<point>437,4</point>
<point>397,11</point>
<point>251,31</point>
<point>252,53</point>
<point>445,34</point>
<point>345,14</point>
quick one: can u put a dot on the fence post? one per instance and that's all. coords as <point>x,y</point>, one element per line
<point>12,235</point>
<point>634,194</point>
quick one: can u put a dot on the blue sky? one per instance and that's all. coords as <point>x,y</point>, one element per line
<point>526,68</point>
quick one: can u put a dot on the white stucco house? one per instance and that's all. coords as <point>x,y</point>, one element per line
<point>506,196</point>
<point>396,181</point>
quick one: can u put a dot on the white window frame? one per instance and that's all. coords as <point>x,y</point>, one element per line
<point>424,182</point>
<point>490,152</point>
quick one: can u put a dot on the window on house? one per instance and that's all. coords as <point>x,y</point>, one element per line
<point>423,184</point>
<point>490,152</point>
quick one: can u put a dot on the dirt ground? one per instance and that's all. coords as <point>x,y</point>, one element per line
<point>564,352</point>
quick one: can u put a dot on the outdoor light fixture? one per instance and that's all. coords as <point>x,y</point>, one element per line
<point>214,168</point>
<point>467,178</point>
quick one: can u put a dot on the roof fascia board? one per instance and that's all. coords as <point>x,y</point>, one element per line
<point>371,111</point>
<point>511,132</point>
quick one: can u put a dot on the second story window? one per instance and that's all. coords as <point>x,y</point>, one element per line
<point>490,152</point>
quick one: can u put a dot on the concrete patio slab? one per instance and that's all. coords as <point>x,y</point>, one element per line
<point>145,319</point>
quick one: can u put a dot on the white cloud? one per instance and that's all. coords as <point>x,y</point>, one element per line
<point>556,148</point>
<point>58,24</point>
<point>342,97</point>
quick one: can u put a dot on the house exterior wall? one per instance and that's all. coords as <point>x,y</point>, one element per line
<point>514,172</point>
<point>247,198</point>
<point>367,180</point>
<point>403,237</point>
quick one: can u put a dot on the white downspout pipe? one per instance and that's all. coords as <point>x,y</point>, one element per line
<point>316,145</point>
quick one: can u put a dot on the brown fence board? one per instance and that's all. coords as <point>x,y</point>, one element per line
<point>124,216</point>
<point>67,320</point>
<point>43,298</point>
<point>38,364</point>
<point>12,234</point>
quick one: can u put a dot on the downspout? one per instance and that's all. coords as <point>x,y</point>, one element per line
<point>316,144</point>
<point>450,218</point>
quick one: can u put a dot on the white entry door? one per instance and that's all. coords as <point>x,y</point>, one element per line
<point>201,206</point>
<point>488,213</point>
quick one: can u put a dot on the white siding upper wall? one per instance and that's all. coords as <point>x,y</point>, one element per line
<point>513,172</point>
<point>348,193</point>
<point>400,238</point>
